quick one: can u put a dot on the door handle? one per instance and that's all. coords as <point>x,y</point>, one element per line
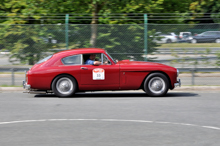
<point>84,68</point>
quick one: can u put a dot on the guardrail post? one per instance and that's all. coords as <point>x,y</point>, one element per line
<point>67,31</point>
<point>145,37</point>
<point>12,77</point>
<point>193,75</point>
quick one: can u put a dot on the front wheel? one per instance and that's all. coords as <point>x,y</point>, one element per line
<point>156,84</point>
<point>193,41</point>
<point>64,86</point>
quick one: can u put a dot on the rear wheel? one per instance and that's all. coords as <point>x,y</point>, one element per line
<point>64,86</point>
<point>156,84</point>
<point>169,41</point>
<point>217,40</point>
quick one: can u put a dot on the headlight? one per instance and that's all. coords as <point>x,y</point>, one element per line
<point>177,72</point>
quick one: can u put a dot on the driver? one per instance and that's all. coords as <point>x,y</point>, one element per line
<point>91,60</point>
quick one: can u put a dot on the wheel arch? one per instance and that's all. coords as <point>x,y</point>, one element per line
<point>142,84</point>
<point>62,75</point>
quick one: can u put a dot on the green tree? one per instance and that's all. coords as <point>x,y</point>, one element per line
<point>205,9</point>
<point>98,11</point>
<point>27,43</point>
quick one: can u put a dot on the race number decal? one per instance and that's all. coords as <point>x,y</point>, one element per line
<point>98,74</point>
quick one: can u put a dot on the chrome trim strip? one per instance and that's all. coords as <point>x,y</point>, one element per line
<point>177,72</point>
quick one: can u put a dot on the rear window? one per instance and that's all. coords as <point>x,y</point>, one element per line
<point>45,59</point>
<point>72,60</point>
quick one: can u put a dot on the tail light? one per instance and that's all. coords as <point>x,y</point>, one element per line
<point>26,76</point>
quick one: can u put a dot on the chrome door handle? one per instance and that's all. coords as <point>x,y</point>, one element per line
<point>84,68</point>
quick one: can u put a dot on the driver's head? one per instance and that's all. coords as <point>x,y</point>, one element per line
<point>92,56</point>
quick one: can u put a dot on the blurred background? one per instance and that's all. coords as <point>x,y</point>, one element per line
<point>183,34</point>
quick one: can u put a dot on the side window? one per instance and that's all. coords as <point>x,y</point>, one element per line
<point>99,57</point>
<point>106,60</point>
<point>216,33</point>
<point>96,57</point>
<point>205,33</point>
<point>208,33</point>
<point>72,60</point>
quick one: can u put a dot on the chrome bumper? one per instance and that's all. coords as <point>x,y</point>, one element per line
<point>26,86</point>
<point>178,83</point>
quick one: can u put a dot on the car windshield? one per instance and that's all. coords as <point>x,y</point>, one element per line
<point>110,57</point>
<point>45,59</point>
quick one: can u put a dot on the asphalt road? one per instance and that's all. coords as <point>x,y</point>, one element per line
<point>110,119</point>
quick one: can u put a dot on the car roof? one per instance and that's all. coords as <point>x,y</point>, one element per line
<point>79,51</point>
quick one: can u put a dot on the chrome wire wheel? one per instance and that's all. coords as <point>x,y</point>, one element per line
<point>156,85</point>
<point>64,85</point>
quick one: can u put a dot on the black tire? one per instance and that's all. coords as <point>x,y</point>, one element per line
<point>64,86</point>
<point>169,41</point>
<point>156,84</point>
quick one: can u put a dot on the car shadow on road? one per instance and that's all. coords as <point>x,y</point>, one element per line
<point>118,95</point>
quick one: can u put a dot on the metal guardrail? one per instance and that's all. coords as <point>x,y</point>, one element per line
<point>199,69</point>
<point>186,59</point>
<point>191,70</point>
<point>14,69</point>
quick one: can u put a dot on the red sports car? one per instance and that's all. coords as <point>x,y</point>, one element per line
<point>67,72</point>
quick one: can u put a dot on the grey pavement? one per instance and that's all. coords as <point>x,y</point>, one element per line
<point>110,119</point>
<point>177,89</point>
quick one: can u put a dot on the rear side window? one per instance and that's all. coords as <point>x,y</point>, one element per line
<point>72,60</point>
<point>45,59</point>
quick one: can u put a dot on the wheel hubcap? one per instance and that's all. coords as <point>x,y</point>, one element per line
<point>64,86</point>
<point>193,41</point>
<point>217,41</point>
<point>156,85</point>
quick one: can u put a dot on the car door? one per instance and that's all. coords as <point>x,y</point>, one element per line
<point>101,77</point>
<point>207,37</point>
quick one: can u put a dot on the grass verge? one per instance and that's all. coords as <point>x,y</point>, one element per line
<point>11,86</point>
<point>189,45</point>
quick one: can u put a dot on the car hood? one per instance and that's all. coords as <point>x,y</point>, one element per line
<point>127,62</point>
<point>144,66</point>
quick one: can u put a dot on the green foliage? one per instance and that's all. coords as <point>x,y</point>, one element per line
<point>25,42</point>
<point>199,9</point>
<point>121,41</point>
<point>218,59</point>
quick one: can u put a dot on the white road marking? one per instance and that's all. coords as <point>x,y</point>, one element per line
<point>210,127</point>
<point>109,120</point>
